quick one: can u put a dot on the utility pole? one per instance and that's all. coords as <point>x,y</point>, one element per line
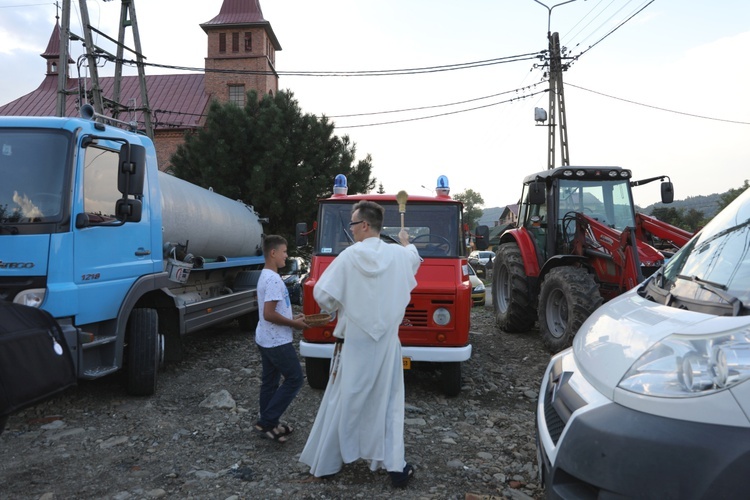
<point>62,65</point>
<point>556,93</point>
<point>556,101</point>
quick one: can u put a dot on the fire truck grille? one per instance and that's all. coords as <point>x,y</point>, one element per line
<point>415,316</point>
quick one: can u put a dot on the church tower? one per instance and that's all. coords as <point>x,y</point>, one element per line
<point>244,45</point>
<point>52,54</point>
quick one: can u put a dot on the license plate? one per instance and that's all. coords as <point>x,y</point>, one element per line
<point>407,363</point>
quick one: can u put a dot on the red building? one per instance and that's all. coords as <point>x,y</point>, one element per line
<point>239,39</point>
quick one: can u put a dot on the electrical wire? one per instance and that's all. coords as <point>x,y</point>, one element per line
<point>437,105</point>
<point>657,107</point>
<point>443,114</point>
<point>614,29</point>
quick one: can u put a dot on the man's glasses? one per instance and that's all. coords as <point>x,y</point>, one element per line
<point>355,223</point>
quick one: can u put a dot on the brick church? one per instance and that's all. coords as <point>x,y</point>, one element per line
<point>239,39</point>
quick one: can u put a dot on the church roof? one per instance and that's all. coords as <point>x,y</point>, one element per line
<point>53,46</point>
<point>177,101</point>
<point>236,13</point>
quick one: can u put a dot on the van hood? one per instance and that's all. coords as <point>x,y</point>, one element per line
<point>620,331</point>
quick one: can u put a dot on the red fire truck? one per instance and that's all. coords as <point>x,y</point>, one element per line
<point>435,328</point>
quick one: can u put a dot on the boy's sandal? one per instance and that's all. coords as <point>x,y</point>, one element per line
<point>272,433</point>
<point>283,430</point>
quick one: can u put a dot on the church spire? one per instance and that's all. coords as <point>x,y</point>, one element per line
<point>52,52</point>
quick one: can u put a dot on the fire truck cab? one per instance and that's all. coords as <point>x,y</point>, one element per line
<point>435,328</point>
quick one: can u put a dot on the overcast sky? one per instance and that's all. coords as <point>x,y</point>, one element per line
<point>687,57</point>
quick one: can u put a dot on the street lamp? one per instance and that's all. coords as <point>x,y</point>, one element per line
<point>549,10</point>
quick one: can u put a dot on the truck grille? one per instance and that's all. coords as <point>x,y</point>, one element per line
<point>414,316</point>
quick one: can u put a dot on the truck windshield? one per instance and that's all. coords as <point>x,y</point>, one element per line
<point>607,202</point>
<point>434,228</point>
<point>32,172</point>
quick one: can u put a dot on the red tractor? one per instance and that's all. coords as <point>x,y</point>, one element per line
<point>578,242</point>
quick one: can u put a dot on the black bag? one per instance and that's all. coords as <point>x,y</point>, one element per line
<point>35,360</point>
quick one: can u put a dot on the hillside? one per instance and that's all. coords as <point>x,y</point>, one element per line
<point>708,205</point>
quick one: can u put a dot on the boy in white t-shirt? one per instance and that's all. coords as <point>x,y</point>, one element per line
<point>274,338</point>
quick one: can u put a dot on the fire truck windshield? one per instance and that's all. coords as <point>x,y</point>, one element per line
<point>32,170</point>
<point>434,228</point>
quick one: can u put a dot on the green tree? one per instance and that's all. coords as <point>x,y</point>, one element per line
<point>473,203</point>
<point>728,197</point>
<point>271,156</point>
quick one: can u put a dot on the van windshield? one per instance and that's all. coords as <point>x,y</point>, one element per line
<point>434,228</point>
<point>717,256</point>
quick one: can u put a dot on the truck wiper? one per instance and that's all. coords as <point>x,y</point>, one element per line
<point>717,288</point>
<point>9,229</point>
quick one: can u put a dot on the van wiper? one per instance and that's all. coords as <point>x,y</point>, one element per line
<point>717,288</point>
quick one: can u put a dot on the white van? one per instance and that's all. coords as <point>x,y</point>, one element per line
<point>653,398</point>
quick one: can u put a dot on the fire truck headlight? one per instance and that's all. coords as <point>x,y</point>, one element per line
<point>32,297</point>
<point>441,316</point>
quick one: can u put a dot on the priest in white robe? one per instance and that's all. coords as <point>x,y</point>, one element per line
<point>362,412</point>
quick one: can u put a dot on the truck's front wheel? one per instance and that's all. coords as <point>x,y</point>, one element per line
<point>568,296</point>
<point>514,310</point>
<point>317,370</point>
<point>144,352</point>
<point>451,379</point>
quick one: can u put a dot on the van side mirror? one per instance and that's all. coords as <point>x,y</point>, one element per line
<point>667,192</point>
<point>132,169</point>
<point>482,237</point>
<point>537,193</point>
<point>300,234</point>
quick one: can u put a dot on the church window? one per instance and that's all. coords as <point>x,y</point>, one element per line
<point>248,41</point>
<point>235,42</point>
<point>222,42</point>
<point>237,95</point>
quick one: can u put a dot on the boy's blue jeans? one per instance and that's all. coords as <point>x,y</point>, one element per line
<point>274,399</point>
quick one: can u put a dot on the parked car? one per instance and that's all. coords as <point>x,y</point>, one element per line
<point>294,274</point>
<point>653,398</point>
<point>481,260</point>
<point>477,288</point>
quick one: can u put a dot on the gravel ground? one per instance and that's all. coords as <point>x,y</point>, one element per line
<point>195,439</point>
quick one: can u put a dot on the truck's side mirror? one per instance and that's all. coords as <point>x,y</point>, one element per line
<point>300,233</point>
<point>132,169</point>
<point>537,194</point>
<point>128,210</point>
<point>667,192</point>
<point>482,237</point>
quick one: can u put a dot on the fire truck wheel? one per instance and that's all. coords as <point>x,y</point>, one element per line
<point>317,372</point>
<point>568,296</point>
<point>451,379</point>
<point>144,351</point>
<point>514,311</point>
<point>248,322</point>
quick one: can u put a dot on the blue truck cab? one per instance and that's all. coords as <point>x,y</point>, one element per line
<point>126,258</point>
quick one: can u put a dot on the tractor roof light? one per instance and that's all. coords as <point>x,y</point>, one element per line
<point>567,173</point>
<point>613,173</point>
<point>580,173</point>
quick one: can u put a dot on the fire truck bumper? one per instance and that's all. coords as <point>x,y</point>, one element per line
<point>429,354</point>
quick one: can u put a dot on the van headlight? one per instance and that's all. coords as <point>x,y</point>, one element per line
<point>441,316</point>
<point>687,365</point>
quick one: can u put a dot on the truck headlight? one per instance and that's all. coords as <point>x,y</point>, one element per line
<point>32,297</point>
<point>441,316</point>
<point>686,365</point>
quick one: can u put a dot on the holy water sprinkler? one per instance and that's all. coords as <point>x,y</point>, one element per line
<point>401,197</point>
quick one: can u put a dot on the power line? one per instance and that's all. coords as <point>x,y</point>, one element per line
<point>437,105</point>
<point>615,29</point>
<point>657,107</point>
<point>443,114</point>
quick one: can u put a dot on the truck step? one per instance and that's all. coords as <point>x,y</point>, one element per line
<point>98,341</point>
<point>98,371</point>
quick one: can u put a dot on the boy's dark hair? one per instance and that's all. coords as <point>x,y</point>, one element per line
<point>272,242</point>
<point>371,212</point>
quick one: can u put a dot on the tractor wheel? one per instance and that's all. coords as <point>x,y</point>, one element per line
<point>144,352</point>
<point>514,308</point>
<point>568,296</point>
<point>317,370</point>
